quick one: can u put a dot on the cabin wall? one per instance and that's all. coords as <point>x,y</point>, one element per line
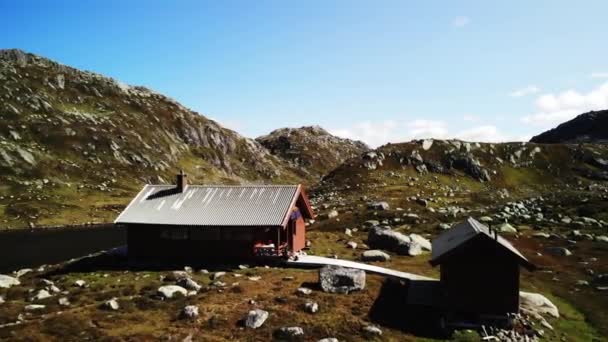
<point>483,279</point>
<point>177,243</point>
<point>299,234</point>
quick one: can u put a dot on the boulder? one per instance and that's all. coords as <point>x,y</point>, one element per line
<point>419,240</point>
<point>536,304</point>
<point>558,251</point>
<point>289,334</point>
<point>20,273</point>
<point>328,339</point>
<point>169,291</point>
<point>332,214</point>
<point>189,312</point>
<point>351,245</point>
<point>34,307</point>
<point>304,290</point>
<point>311,307</point>
<point>378,206</point>
<point>255,318</point>
<point>506,228</point>
<point>390,240</point>
<point>1,300</point>
<point>41,294</point>
<point>8,281</point>
<point>189,284</point>
<point>111,304</point>
<point>64,301</point>
<point>335,279</point>
<point>372,331</point>
<point>375,255</point>
<point>178,275</point>
<point>602,238</point>
<point>80,283</point>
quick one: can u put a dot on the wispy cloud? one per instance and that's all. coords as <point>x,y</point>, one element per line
<point>461,21</point>
<point>553,109</point>
<point>382,132</point>
<point>599,75</point>
<point>529,90</point>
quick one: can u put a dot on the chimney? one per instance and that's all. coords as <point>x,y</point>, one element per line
<point>181,181</point>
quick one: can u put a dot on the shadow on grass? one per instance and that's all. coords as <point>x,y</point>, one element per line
<point>117,260</point>
<point>409,306</point>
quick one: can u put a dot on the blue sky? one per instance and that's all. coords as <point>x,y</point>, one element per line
<point>374,70</point>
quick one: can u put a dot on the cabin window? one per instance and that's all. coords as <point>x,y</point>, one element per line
<point>205,234</point>
<point>174,233</point>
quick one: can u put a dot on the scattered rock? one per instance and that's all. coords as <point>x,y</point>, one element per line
<point>304,290</point>
<point>41,294</point>
<point>64,301</point>
<point>311,307</point>
<point>34,307</point>
<point>536,304</point>
<point>189,284</point>
<point>80,283</point>
<point>289,334</point>
<point>378,206</point>
<point>375,255</point>
<point>8,281</point>
<point>255,318</point>
<point>372,331</point>
<point>506,228</point>
<point>169,291</point>
<point>328,339</point>
<point>335,279</point>
<point>111,304</point>
<point>558,251</point>
<point>189,312</point>
<point>351,244</point>
<point>332,214</point>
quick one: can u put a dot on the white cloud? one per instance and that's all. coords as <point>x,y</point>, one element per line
<point>461,21</point>
<point>553,109</point>
<point>470,118</point>
<point>379,133</point>
<point>599,75</point>
<point>482,133</point>
<point>529,90</point>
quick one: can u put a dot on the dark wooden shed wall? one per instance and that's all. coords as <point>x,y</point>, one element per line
<point>482,278</point>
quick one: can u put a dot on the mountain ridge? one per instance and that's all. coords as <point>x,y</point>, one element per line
<point>590,127</point>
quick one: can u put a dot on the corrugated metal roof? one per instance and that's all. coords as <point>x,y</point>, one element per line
<point>212,205</point>
<point>462,233</point>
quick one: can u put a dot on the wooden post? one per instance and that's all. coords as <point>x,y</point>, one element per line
<point>278,247</point>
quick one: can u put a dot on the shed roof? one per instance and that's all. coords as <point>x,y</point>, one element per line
<point>214,205</point>
<point>459,235</point>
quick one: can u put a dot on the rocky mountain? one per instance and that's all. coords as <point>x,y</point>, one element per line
<point>590,127</point>
<point>75,145</point>
<point>311,149</point>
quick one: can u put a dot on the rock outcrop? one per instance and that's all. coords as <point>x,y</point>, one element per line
<point>585,128</point>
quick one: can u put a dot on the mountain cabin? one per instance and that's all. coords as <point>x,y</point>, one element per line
<point>215,222</point>
<point>479,271</point>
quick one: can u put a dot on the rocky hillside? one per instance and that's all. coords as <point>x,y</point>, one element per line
<point>590,127</point>
<point>75,145</point>
<point>311,149</point>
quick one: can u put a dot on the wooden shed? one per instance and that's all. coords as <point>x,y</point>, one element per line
<point>215,222</point>
<point>479,271</point>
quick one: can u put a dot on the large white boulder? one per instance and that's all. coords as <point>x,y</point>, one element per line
<point>8,281</point>
<point>335,279</point>
<point>255,318</point>
<point>170,291</point>
<point>536,304</point>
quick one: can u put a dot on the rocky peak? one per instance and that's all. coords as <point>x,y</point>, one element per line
<point>585,128</point>
<point>66,130</point>
<point>311,148</point>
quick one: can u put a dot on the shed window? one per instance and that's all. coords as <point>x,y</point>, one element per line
<point>174,233</point>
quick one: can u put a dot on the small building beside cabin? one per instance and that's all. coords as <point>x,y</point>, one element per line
<point>479,271</point>
<point>215,222</point>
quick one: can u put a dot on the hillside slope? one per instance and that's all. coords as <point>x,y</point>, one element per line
<point>311,149</point>
<point>590,127</point>
<point>75,146</point>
